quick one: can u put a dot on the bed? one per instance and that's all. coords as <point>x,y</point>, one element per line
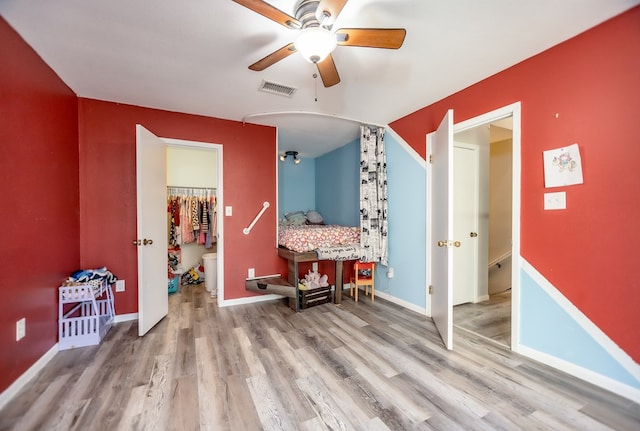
<point>314,242</point>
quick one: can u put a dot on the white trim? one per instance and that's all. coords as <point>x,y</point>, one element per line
<point>220,203</point>
<point>600,380</point>
<point>309,113</point>
<point>8,394</point>
<point>583,321</point>
<point>119,318</point>
<point>248,300</point>
<point>407,148</point>
<point>402,303</point>
<point>482,298</point>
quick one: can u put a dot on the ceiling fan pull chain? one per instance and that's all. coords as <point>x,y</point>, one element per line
<point>315,79</point>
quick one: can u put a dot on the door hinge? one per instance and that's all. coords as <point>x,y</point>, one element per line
<point>430,158</point>
<point>430,290</point>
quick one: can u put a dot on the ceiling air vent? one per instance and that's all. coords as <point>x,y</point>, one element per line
<point>272,87</point>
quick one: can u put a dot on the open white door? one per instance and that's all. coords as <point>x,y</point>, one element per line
<point>151,172</point>
<point>442,228</point>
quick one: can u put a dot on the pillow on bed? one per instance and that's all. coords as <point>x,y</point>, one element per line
<point>293,214</point>
<point>295,218</point>
<point>314,217</point>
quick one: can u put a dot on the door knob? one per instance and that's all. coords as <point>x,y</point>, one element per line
<point>456,243</point>
<point>473,234</point>
<point>147,241</point>
<point>136,242</point>
<point>442,243</point>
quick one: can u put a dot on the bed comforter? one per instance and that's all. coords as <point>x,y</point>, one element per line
<point>311,237</point>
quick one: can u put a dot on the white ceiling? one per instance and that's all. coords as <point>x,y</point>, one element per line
<point>192,56</point>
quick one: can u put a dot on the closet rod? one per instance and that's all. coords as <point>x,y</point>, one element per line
<point>191,187</point>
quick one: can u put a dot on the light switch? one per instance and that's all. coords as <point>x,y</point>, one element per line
<point>228,211</point>
<point>555,201</point>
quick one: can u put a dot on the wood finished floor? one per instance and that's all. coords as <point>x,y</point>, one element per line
<point>490,318</point>
<point>358,366</point>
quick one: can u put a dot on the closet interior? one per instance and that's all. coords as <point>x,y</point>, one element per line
<point>192,217</point>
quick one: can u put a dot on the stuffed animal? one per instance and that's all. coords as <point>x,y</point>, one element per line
<point>313,280</point>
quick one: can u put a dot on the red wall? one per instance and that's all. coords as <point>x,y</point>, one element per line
<point>39,209</point>
<point>108,190</point>
<point>590,250</point>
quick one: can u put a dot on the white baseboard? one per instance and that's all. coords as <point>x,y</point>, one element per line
<point>395,300</point>
<point>125,317</point>
<point>582,373</point>
<point>26,377</point>
<point>402,303</point>
<point>248,300</point>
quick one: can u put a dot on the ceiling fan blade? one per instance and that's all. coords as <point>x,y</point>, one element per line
<point>328,11</point>
<point>328,71</point>
<point>390,38</point>
<point>271,12</point>
<point>273,58</point>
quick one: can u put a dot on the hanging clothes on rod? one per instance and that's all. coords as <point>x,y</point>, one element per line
<point>192,215</point>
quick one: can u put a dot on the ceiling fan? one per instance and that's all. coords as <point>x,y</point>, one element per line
<point>316,40</point>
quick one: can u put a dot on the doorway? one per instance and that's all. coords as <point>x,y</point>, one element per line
<point>441,242</point>
<point>151,173</point>
<point>194,169</point>
<point>487,310</point>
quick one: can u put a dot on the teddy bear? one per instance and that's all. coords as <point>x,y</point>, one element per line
<point>313,280</point>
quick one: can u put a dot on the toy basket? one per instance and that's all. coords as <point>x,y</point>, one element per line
<point>174,282</point>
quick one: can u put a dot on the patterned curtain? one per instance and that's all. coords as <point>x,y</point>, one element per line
<point>373,195</point>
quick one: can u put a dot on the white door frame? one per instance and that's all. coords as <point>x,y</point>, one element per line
<point>219,203</point>
<point>514,111</point>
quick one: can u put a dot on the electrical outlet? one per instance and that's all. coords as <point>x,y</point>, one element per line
<point>228,211</point>
<point>119,285</point>
<point>251,273</point>
<point>390,273</point>
<point>21,329</point>
<point>314,266</point>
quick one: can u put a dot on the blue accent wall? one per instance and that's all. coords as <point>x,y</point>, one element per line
<point>336,185</point>
<point>548,328</point>
<point>296,186</point>
<point>406,190</point>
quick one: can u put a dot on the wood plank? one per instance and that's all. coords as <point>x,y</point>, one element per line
<point>184,409</point>
<point>211,413</point>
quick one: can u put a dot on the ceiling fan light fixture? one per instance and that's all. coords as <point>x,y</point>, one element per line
<point>315,44</point>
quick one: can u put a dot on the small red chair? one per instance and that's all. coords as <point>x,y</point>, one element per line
<point>363,275</point>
